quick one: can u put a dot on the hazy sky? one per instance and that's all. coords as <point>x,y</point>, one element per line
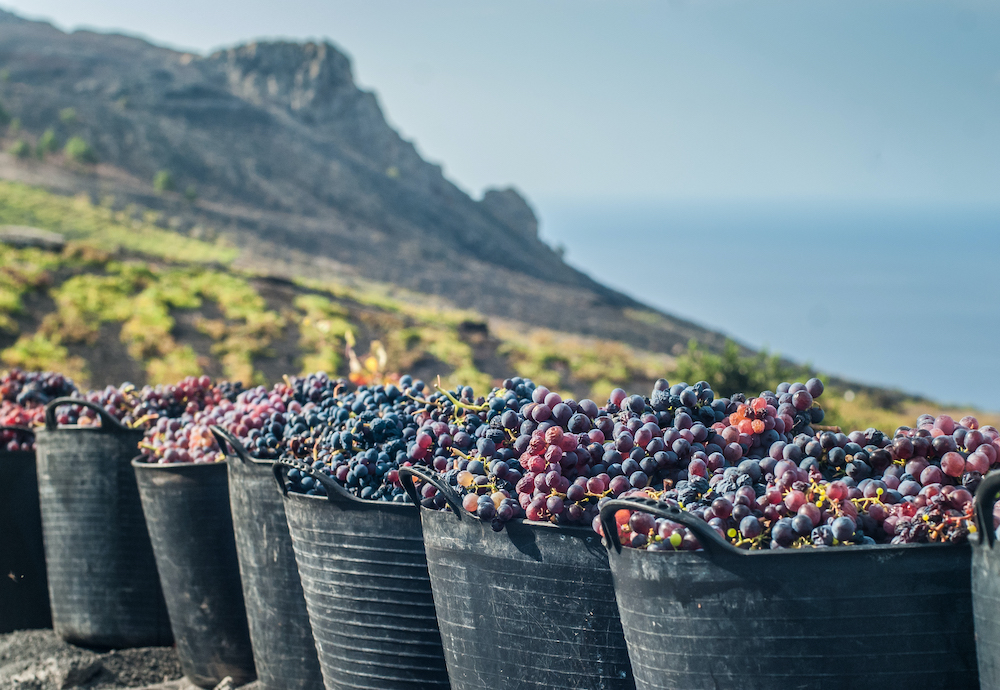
<point>658,99</point>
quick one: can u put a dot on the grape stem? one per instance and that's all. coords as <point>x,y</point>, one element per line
<point>459,403</point>
<point>419,400</point>
<point>142,420</point>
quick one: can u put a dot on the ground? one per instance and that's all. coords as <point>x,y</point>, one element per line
<point>39,660</point>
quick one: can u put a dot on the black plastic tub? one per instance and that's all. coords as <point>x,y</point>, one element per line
<point>364,574</point>
<point>187,514</point>
<point>888,617</point>
<point>283,647</point>
<point>103,585</point>
<point>24,592</point>
<point>986,584</point>
<point>532,606</point>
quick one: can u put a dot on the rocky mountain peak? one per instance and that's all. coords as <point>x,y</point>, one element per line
<point>304,77</point>
<point>313,83</point>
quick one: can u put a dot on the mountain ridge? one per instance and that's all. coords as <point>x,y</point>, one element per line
<point>300,168</point>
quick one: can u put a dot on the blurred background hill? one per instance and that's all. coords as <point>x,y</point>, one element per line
<point>275,144</point>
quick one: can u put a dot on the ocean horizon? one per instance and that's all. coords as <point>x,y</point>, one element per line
<point>906,297</point>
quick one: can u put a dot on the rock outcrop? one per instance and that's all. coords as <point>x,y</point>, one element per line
<point>511,209</point>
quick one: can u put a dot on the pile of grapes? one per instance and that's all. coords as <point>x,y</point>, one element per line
<point>265,420</point>
<point>360,438</point>
<point>823,488</point>
<point>139,408</point>
<point>23,396</point>
<point>179,419</point>
<point>164,411</point>
<point>549,459</point>
<point>761,471</point>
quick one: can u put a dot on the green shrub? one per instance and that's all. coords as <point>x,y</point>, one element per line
<point>20,148</point>
<point>731,372</point>
<point>38,353</point>
<point>79,150</point>
<point>4,115</point>
<point>163,181</point>
<point>15,125</point>
<point>191,193</point>
<point>67,116</point>
<point>47,143</point>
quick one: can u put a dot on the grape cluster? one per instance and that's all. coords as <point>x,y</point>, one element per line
<point>14,440</point>
<point>945,517</point>
<point>15,415</point>
<point>230,390</point>
<point>549,459</point>
<point>947,460</point>
<point>180,432</point>
<point>265,421</point>
<point>141,408</point>
<point>34,389</point>
<point>187,438</point>
<point>360,438</point>
<point>23,396</point>
<point>358,443</point>
<point>535,458</point>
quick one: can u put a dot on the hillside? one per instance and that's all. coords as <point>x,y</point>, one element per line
<point>127,300</point>
<point>112,297</point>
<point>275,147</point>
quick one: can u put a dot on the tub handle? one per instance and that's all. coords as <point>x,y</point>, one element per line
<point>406,475</point>
<point>224,438</point>
<point>333,487</point>
<point>107,421</point>
<point>986,496</point>
<point>708,537</point>
<point>279,468</point>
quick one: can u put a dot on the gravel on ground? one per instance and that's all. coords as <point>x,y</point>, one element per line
<point>40,660</point>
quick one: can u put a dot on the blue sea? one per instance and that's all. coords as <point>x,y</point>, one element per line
<point>901,296</point>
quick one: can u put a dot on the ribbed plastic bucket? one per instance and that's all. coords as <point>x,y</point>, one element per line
<point>187,515</point>
<point>986,584</point>
<point>532,606</point>
<point>888,617</point>
<point>103,584</point>
<point>24,593</point>
<point>283,647</point>
<point>364,574</point>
